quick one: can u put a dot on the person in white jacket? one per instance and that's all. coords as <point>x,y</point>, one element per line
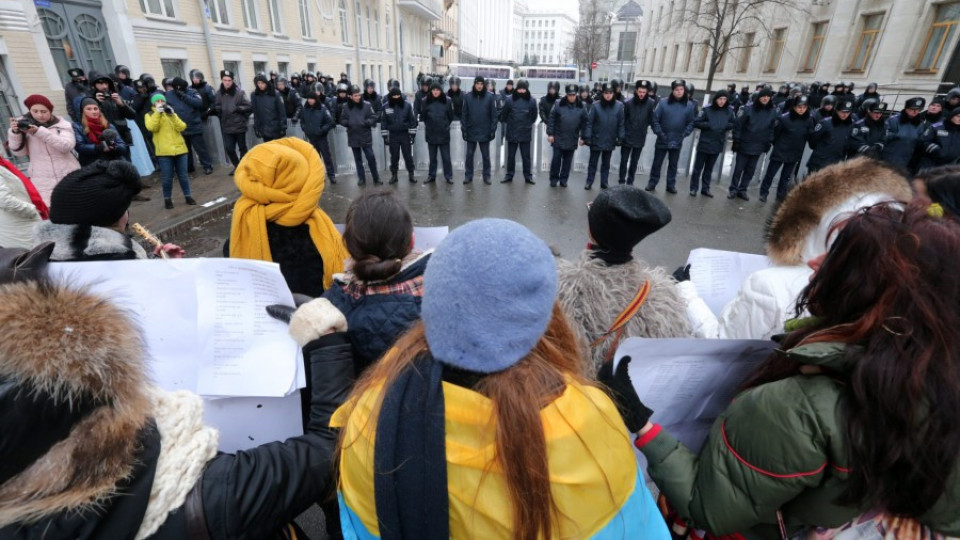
<point>802,229</point>
<point>18,215</point>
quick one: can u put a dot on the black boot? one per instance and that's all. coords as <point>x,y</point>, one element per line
<point>168,204</point>
<point>393,177</point>
<point>413,179</point>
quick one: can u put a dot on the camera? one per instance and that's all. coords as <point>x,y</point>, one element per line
<point>109,137</point>
<point>25,122</point>
<point>168,109</point>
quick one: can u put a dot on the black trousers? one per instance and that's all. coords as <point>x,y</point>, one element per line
<point>323,148</point>
<point>196,145</point>
<point>604,157</point>
<point>233,141</point>
<point>673,157</point>
<point>703,171</point>
<point>358,153</point>
<point>468,159</point>
<point>445,156</point>
<point>400,142</point>
<point>743,172</point>
<point>512,159</point>
<point>786,173</point>
<point>629,159</point>
<point>560,166</point>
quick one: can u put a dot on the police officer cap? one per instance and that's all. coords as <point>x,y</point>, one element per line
<point>606,87</point>
<point>342,87</point>
<point>354,89</point>
<point>644,84</point>
<point>915,103</point>
<point>873,105</point>
<point>954,112</point>
<point>226,73</point>
<point>801,100</point>
<point>845,106</point>
<point>522,83</point>
<point>938,100</point>
<point>572,89</point>
<point>954,93</point>
<point>75,73</point>
<point>828,100</point>
<point>678,82</point>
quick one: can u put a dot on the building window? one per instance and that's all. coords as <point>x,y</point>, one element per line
<point>626,46</point>
<point>938,37</point>
<point>376,24</point>
<point>869,35</point>
<point>676,57</point>
<point>663,57</point>
<point>818,33</point>
<point>653,59</point>
<point>358,16</point>
<point>305,27</point>
<point>172,68</point>
<point>233,67</point>
<point>276,22</point>
<point>348,69</point>
<point>776,50</point>
<point>746,51</point>
<point>344,27</point>
<point>259,68</point>
<point>161,8</point>
<point>689,56</point>
<point>283,68</point>
<point>389,34</point>
<point>218,12</point>
<point>312,67</point>
<point>369,28</point>
<point>250,14</point>
<point>704,54</point>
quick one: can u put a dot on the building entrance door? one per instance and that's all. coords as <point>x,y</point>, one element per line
<point>77,36</point>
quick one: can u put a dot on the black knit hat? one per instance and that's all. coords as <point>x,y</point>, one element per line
<point>178,84</point>
<point>394,92</point>
<point>97,194</point>
<point>622,216</point>
<point>479,79</point>
<point>88,101</point>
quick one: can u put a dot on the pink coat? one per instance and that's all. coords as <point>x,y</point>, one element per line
<point>51,155</point>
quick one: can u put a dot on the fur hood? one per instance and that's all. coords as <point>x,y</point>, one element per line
<point>72,344</point>
<point>800,227</point>
<point>592,295</point>
<point>87,243</point>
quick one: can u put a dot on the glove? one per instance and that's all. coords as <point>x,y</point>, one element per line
<point>620,389</point>
<point>736,146</point>
<point>310,321</point>
<point>682,273</point>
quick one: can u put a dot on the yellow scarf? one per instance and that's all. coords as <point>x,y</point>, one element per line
<point>281,182</point>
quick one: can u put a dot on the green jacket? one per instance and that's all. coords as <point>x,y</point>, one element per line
<point>779,446</point>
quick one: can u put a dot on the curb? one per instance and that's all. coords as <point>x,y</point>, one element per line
<point>184,224</point>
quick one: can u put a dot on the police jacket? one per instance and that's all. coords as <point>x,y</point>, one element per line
<point>673,122</point>
<point>790,135</point>
<point>292,104</point>
<point>519,113</point>
<point>358,118</point>
<point>753,130</point>
<point>867,138</point>
<point>269,113</point>
<point>374,101</point>
<point>456,100</point>
<point>436,113</point>
<point>234,110</point>
<point>829,142</point>
<point>397,116</point>
<point>903,137</point>
<point>189,107</point>
<point>714,123</point>
<point>418,101</point>
<point>479,119</point>
<point>605,125</point>
<point>941,143</point>
<point>316,121</point>
<point>207,95</point>
<point>637,119</point>
<point>546,105</point>
<point>566,124</point>
<point>336,105</point>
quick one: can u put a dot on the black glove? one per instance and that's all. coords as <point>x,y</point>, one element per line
<point>620,389</point>
<point>736,146</point>
<point>682,273</point>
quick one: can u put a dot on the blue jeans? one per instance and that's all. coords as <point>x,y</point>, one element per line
<point>169,165</point>
<point>673,155</point>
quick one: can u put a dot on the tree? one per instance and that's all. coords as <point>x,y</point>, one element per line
<point>534,60</point>
<point>723,25</point>
<point>526,59</point>
<point>591,39</point>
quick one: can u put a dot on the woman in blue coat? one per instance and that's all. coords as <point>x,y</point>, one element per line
<point>603,132</point>
<point>714,122</point>
<point>790,135</point>
<point>436,113</point>
<point>93,135</point>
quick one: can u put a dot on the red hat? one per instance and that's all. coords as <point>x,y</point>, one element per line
<point>37,99</point>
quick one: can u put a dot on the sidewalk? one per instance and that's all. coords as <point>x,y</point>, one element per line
<point>214,193</point>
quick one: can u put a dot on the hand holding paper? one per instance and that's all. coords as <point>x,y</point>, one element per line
<point>621,390</point>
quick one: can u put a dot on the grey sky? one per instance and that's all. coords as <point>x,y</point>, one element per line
<point>563,6</point>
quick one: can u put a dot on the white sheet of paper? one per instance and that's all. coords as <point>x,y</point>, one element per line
<point>717,275</point>
<point>689,382</point>
<point>248,422</point>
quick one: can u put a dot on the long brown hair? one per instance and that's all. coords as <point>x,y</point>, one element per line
<point>889,287</point>
<point>517,393</point>
<point>378,234</point>
<point>85,122</point>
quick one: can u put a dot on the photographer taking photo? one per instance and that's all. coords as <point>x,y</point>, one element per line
<point>95,137</point>
<point>167,129</point>
<point>47,140</point>
<point>112,106</point>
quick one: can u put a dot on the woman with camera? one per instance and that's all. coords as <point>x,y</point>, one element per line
<point>95,137</point>
<point>171,148</point>
<point>47,140</point>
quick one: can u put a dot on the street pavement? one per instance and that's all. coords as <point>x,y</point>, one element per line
<point>557,215</point>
